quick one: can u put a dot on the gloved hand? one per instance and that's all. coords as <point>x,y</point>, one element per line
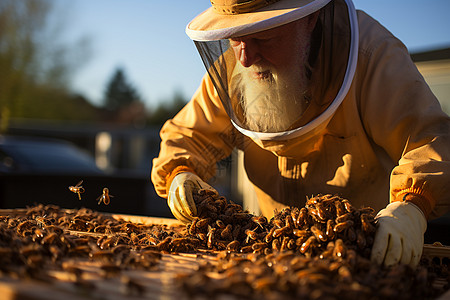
<point>180,199</point>
<point>399,237</point>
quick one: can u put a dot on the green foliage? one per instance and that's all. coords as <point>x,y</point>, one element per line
<point>35,68</point>
<point>36,71</point>
<point>119,93</point>
<point>167,110</point>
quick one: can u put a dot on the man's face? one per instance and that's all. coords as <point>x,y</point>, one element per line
<point>269,79</point>
<point>278,46</point>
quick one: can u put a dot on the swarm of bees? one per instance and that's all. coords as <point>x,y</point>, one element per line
<point>326,226</point>
<point>45,238</point>
<point>318,251</point>
<point>78,189</point>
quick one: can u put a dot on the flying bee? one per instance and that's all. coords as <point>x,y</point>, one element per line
<point>105,197</point>
<point>77,189</point>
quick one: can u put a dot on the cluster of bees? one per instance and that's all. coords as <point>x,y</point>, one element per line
<point>326,226</point>
<point>319,251</point>
<point>42,239</point>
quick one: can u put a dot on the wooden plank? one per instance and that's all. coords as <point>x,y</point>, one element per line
<point>157,283</point>
<point>147,220</point>
<point>436,250</point>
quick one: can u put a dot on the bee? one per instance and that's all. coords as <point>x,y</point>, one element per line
<point>221,203</point>
<point>261,221</point>
<point>278,223</point>
<point>105,197</point>
<point>289,221</point>
<point>220,224</point>
<point>108,242</point>
<point>329,229</point>
<point>307,244</point>
<point>211,237</point>
<point>366,225</point>
<point>318,217</point>
<point>339,227</point>
<point>227,233</point>
<point>77,189</point>
<point>328,252</point>
<point>318,233</point>
<point>202,223</point>
<point>259,246</point>
<point>321,211</point>
<point>294,214</point>
<point>344,217</point>
<point>252,235</point>
<point>302,217</point>
<point>284,243</point>
<point>276,245</point>
<point>101,255</point>
<point>25,228</point>
<point>192,227</point>
<point>281,231</point>
<point>291,244</point>
<point>164,245</point>
<point>246,249</point>
<point>299,241</point>
<point>233,245</point>
<point>348,207</point>
<point>340,208</point>
<point>339,249</point>
<point>360,239</point>
<point>201,236</point>
<point>269,235</point>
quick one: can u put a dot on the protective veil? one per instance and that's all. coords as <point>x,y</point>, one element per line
<point>288,102</point>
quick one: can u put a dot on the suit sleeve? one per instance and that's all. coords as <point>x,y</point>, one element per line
<point>403,117</point>
<point>194,140</point>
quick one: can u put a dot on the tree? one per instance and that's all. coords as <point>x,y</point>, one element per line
<point>167,109</point>
<point>34,64</point>
<point>119,93</point>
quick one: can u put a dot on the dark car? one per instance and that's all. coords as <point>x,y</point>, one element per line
<point>44,156</point>
<point>41,170</point>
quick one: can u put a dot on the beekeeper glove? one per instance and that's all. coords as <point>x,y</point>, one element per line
<point>399,236</point>
<point>180,199</point>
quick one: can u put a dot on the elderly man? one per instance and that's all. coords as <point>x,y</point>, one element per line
<point>321,99</point>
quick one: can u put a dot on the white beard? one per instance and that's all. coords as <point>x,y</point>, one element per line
<point>273,103</point>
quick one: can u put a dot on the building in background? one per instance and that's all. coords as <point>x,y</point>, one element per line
<point>435,67</point>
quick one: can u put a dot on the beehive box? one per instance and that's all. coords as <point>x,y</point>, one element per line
<point>81,274</point>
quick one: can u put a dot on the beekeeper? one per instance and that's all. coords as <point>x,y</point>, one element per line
<point>321,99</point>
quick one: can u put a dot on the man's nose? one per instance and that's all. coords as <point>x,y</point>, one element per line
<point>249,53</point>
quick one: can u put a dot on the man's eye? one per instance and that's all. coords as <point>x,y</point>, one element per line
<point>266,41</point>
<point>234,43</point>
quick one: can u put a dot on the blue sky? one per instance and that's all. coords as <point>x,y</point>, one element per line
<point>147,39</point>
